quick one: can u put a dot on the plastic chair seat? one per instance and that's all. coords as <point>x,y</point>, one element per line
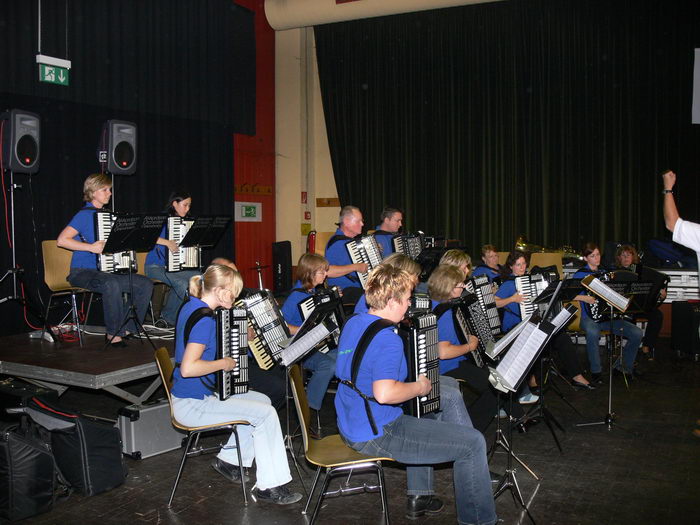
<point>331,451</point>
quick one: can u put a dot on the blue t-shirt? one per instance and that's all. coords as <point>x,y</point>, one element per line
<point>446,332</point>
<point>489,272</point>
<point>337,255</point>
<point>580,274</point>
<point>204,332</point>
<point>84,223</point>
<point>384,240</point>
<point>384,359</point>
<point>158,255</point>
<point>361,306</point>
<point>290,309</point>
<point>511,312</point>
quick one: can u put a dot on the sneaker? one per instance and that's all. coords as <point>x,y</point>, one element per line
<point>528,399</point>
<point>418,506</point>
<point>228,470</point>
<point>277,495</point>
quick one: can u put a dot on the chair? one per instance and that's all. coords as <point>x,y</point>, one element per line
<point>165,367</point>
<point>332,454</point>
<point>502,257</point>
<point>321,241</point>
<point>547,259</point>
<point>56,270</point>
<point>162,295</point>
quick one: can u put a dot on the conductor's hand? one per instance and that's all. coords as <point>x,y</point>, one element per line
<point>229,364</point>
<point>361,267</point>
<point>425,385</point>
<point>172,246</point>
<point>669,179</point>
<point>97,247</point>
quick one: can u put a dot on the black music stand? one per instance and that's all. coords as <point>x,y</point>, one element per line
<point>205,232</point>
<point>133,233</point>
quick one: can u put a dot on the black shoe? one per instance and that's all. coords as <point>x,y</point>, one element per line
<point>277,495</point>
<point>118,344</point>
<point>597,378</point>
<point>229,471</point>
<point>582,386</point>
<point>418,506</point>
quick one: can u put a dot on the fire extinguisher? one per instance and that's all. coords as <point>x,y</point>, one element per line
<point>311,242</point>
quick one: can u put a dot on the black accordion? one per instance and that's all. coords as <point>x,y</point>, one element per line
<point>530,287</point>
<point>186,258</point>
<point>232,341</point>
<point>469,319</point>
<point>364,250</point>
<point>410,244</point>
<point>483,289</point>
<point>120,262</point>
<point>419,334</point>
<point>271,331</point>
<point>322,296</point>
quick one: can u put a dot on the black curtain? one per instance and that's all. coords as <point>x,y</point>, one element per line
<point>547,118</point>
<point>184,72</point>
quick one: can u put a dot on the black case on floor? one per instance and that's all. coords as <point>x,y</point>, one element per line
<point>88,452</point>
<point>684,330</point>
<point>27,475</point>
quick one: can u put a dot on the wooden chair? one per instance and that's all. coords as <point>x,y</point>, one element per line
<point>165,367</point>
<point>331,453</point>
<point>164,288</point>
<point>321,241</point>
<point>502,257</point>
<point>547,259</point>
<point>56,270</point>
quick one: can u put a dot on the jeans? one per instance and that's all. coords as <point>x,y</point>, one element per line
<point>624,328</point>
<point>112,286</point>
<point>445,437</point>
<point>323,367</point>
<point>261,440</point>
<point>179,283</point>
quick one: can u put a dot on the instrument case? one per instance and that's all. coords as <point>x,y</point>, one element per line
<point>146,430</point>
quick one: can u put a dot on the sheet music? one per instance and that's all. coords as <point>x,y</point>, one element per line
<point>563,317</point>
<point>518,360</point>
<point>494,350</point>
<point>305,343</point>
<point>606,293</point>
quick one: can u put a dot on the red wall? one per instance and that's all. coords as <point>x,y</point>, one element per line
<point>254,160</point>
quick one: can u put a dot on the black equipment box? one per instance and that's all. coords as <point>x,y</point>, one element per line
<point>146,430</point>
<point>684,331</point>
<point>15,393</point>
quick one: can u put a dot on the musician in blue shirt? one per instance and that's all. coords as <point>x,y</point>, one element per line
<point>418,442</point>
<point>80,237</point>
<point>196,404</point>
<point>633,334</point>
<point>397,260</point>
<point>342,272</point>
<point>489,266</point>
<point>311,271</point>
<point>391,222</point>
<point>509,298</point>
<point>178,205</point>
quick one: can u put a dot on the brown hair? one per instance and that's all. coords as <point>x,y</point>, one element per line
<point>403,262</point>
<point>513,258</point>
<point>443,280</point>
<point>308,265</point>
<point>589,248</point>
<point>488,248</point>
<point>629,249</point>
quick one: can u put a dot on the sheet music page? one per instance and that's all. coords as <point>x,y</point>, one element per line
<point>563,317</point>
<point>519,358</point>
<point>302,346</point>
<point>504,341</point>
<point>606,293</point>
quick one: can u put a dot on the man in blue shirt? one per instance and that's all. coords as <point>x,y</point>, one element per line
<point>419,443</point>
<point>391,222</point>
<point>342,272</point>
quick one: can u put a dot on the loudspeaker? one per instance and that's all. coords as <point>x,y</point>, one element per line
<point>117,148</point>
<point>282,266</point>
<point>20,141</point>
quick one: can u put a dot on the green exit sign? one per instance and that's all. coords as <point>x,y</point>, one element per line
<point>249,211</point>
<point>53,74</point>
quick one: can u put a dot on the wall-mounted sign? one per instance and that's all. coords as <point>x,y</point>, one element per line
<point>247,211</point>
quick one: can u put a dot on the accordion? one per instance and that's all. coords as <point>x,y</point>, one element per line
<point>232,341</point>
<point>420,337</point>
<point>530,286</point>
<point>270,329</point>
<point>483,289</point>
<point>120,262</point>
<point>420,302</point>
<point>469,319</point>
<point>410,244</point>
<point>189,258</point>
<point>364,250</point>
<point>322,296</point>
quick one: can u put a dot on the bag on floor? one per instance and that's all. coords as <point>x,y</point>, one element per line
<point>27,473</point>
<point>87,452</point>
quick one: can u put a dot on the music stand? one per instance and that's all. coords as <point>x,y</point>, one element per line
<point>133,233</point>
<point>205,232</point>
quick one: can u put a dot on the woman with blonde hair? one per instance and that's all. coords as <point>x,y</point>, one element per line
<point>195,402</point>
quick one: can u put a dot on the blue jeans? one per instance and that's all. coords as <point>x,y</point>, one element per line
<point>446,438</point>
<point>631,332</point>
<point>323,367</point>
<point>112,286</point>
<point>179,283</point>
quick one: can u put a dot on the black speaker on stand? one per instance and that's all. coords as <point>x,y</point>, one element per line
<point>116,150</point>
<point>281,266</point>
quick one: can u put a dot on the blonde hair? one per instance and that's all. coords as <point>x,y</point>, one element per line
<point>457,258</point>
<point>95,182</point>
<point>215,276</point>
<point>403,262</point>
<point>385,283</point>
<point>308,265</point>
<point>443,280</point>
<point>225,262</point>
